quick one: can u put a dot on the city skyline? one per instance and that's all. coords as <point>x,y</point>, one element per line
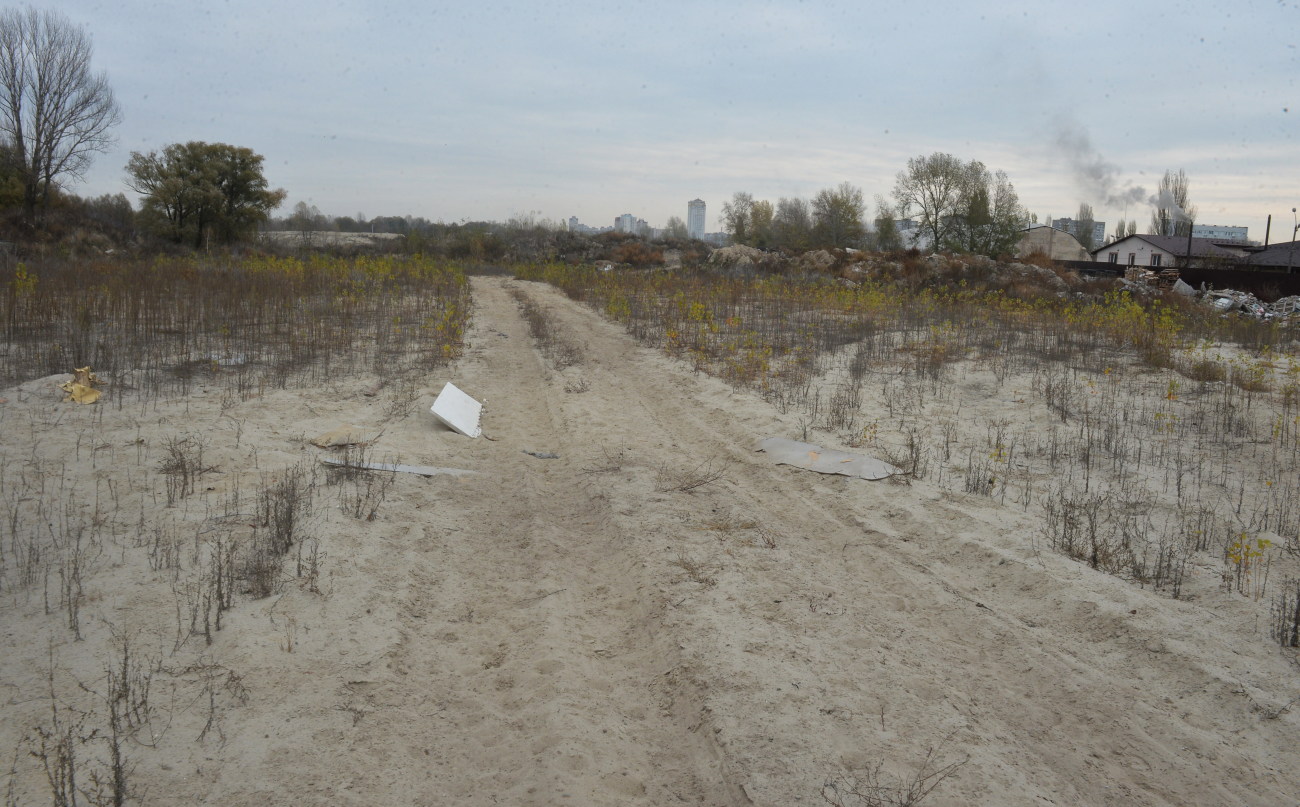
<point>469,112</point>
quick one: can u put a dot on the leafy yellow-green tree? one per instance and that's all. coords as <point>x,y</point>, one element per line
<point>886,235</point>
<point>838,216</point>
<point>989,217</point>
<point>199,192</point>
<point>760,224</point>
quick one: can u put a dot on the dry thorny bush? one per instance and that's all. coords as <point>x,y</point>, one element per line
<point>684,480</point>
<point>874,787</point>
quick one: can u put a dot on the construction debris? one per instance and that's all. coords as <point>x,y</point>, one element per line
<point>422,470</point>
<point>345,436</point>
<point>1146,283</point>
<point>1165,278</point>
<point>826,460</point>
<point>458,411</point>
<point>82,386</point>
<point>1244,303</point>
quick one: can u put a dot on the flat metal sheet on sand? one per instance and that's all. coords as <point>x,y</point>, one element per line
<point>825,460</point>
<point>422,470</point>
<point>458,411</point>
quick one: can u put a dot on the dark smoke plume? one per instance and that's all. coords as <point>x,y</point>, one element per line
<point>1098,178</point>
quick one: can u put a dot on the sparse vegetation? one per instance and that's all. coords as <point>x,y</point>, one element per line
<point>874,787</point>
<point>1124,400</point>
<point>684,480</point>
<point>696,571</point>
<point>562,352</point>
<point>154,330</point>
<point>361,490</point>
<point>1113,475</point>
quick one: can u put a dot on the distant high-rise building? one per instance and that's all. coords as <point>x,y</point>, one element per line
<point>695,218</point>
<point>1098,234</point>
<point>1219,232</point>
<point>625,223</point>
<point>576,226</point>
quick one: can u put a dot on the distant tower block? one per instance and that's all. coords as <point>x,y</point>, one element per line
<point>695,218</point>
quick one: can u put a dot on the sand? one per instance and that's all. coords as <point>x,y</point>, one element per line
<point>580,630</point>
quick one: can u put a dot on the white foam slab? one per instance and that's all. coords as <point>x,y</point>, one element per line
<point>458,411</point>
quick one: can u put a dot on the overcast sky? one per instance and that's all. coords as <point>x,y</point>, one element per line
<point>487,110</point>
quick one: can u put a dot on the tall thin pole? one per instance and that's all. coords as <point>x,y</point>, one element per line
<point>1290,250</point>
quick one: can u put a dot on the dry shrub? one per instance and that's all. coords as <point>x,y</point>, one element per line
<point>1039,258</point>
<point>874,787</point>
<point>638,254</point>
<point>696,571</point>
<point>914,272</point>
<point>1204,370</point>
<point>1251,378</point>
<point>684,480</point>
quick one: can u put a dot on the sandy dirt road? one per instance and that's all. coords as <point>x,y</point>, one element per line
<point>580,630</point>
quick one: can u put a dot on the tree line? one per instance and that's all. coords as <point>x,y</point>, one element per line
<point>56,113</point>
<point>956,206</point>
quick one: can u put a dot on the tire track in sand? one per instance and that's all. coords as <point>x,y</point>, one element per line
<point>533,667</point>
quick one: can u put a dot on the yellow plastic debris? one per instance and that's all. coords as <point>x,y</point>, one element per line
<point>82,386</point>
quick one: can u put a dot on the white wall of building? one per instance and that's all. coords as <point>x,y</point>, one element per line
<point>1231,233</point>
<point>1134,252</point>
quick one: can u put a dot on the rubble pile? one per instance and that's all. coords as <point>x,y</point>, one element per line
<point>1164,279</point>
<point>1229,301</point>
<point>737,255</point>
<point>1144,283</point>
<point>816,261</point>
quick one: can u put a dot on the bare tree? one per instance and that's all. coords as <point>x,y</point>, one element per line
<point>886,235</point>
<point>935,186</point>
<point>838,213</point>
<point>676,228</point>
<point>736,214</point>
<point>1123,230</point>
<point>305,221</point>
<point>792,223</point>
<point>1174,213</point>
<point>54,112</point>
